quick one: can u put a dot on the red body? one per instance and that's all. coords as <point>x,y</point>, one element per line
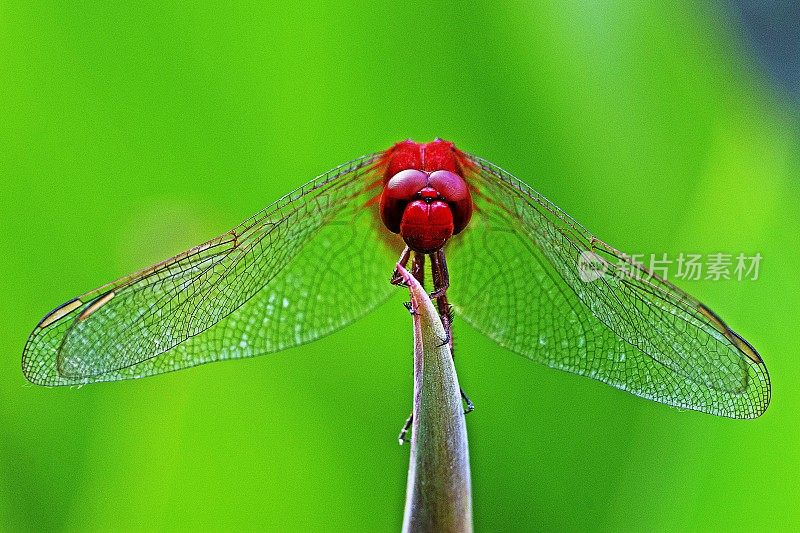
<point>425,197</point>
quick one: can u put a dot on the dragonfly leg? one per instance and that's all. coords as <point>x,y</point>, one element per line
<point>403,432</point>
<point>441,282</point>
<point>418,268</point>
<point>446,340</point>
<point>467,402</point>
<point>441,278</point>
<point>397,279</point>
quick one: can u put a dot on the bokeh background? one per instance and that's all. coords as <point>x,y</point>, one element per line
<point>131,132</point>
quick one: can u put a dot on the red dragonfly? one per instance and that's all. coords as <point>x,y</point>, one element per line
<point>318,259</point>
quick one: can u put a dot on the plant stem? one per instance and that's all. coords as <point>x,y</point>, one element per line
<point>439,495</point>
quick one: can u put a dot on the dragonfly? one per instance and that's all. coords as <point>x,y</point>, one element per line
<point>503,259</point>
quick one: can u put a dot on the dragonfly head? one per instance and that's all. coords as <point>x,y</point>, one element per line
<point>426,208</point>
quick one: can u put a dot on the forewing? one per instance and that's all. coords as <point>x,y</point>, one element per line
<point>518,275</point>
<point>312,262</point>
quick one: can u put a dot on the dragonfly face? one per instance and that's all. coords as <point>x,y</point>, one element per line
<point>425,198</point>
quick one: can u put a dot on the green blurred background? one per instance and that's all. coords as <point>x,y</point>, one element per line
<point>129,133</point>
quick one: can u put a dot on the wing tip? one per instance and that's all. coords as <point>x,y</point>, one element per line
<point>59,312</point>
<point>32,372</point>
<point>737,340</point>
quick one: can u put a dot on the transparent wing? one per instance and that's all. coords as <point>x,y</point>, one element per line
<point>518,274</point>
<point>310,263</point>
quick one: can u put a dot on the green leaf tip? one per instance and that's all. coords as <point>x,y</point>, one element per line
<point>439,494</point>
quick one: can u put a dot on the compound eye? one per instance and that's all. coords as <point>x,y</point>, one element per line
<point>450,185</point>
<point>405,184</point>
<point>455,192</point>
<point>398,191</point>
